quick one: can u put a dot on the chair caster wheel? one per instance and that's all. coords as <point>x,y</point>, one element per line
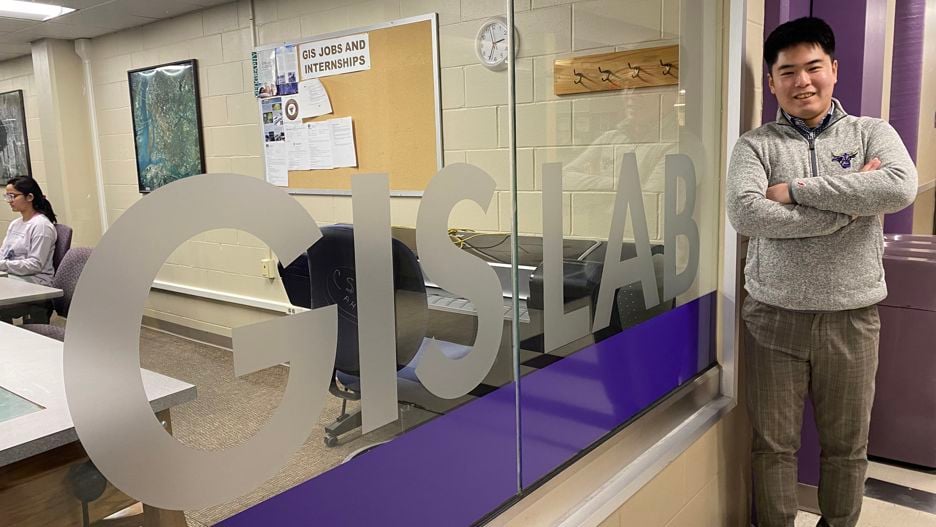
<point>331,441</point>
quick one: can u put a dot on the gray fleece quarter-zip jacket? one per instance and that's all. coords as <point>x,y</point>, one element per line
<point>825,252</point>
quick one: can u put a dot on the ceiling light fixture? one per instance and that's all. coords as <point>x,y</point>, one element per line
<point>31,10</point>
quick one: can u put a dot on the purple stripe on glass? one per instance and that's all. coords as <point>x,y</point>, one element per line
<point>459,467</point>
<point>450,471</point>
<point>573,403</point>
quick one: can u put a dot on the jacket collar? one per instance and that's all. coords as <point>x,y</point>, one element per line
<point>837,113</point>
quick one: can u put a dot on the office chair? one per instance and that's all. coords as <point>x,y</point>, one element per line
<point>66,279</point>
<point>62,243</point>
<point>325,276</point>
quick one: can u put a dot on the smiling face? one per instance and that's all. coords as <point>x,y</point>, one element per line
<point>803,78</point>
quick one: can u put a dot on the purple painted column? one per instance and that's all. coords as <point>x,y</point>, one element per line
<point>777,12</point>
<point>906,83</point>
<point>859,42</point>
<point>859,49</point>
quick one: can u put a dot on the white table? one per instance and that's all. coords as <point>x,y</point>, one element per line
<point>15,291</point>
<point>39,448</point>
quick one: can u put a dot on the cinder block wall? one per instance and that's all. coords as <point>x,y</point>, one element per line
<point>17,74</point>
<point>590,132</point>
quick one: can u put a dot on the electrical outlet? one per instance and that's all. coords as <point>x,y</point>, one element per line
<point>267,267</point>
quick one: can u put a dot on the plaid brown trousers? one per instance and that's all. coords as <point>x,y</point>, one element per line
<point>833,356</point>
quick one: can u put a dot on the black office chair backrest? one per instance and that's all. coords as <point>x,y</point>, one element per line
<point>332,281</point>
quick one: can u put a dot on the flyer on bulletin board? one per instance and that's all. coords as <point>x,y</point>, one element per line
<point>275,149</point>
<point>264,72</point>
<point>287,70</point>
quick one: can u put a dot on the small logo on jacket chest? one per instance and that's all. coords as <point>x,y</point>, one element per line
<point>844,158</point>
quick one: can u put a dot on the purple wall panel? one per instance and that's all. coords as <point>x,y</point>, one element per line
<point>777,12</point>
<point>809,453</point>
<point>906,86</point>
<point>457,468</point>
<point>850,50</point>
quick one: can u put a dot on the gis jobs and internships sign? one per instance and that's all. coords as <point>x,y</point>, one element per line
<point>334,56</point>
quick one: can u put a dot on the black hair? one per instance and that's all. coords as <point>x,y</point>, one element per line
<point>806,30</point>
<point>27,186</point>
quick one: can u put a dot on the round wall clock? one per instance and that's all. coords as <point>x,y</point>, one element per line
<point>491,43</point>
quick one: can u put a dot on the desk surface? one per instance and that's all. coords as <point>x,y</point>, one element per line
<point>14,291</point>
<point>31,367</point>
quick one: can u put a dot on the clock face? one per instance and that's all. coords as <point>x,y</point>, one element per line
<point>492,44</point>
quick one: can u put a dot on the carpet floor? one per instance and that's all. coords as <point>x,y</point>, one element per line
<point>228,410</point>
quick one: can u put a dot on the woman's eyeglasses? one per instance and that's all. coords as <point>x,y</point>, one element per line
<point>9,196</point>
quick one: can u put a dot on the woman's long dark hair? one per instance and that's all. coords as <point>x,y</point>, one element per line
<point>27,186</point>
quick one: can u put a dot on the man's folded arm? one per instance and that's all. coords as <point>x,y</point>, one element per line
<point>888,189</point>
<point>752,214</point>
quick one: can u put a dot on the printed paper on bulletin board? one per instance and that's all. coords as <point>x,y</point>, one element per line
<point>393,106</point>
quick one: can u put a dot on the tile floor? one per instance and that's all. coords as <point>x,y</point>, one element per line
<point>877,513</point>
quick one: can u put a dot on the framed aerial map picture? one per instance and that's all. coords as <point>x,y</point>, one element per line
<point>166,123</point>
<point>14,148</point>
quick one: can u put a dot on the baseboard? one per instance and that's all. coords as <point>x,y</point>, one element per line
<point>198,335</point>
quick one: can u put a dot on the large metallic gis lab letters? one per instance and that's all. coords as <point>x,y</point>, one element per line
<point>104,389</point>
<point>463,275</point>
<point>615,273</point>
<point>373,265</point>
<point>562,328</point>
<point>679,167</point>
<point>102,365</point>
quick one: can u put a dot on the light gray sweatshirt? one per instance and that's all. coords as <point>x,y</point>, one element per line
<point>825,252</point>
<point>26,251</point>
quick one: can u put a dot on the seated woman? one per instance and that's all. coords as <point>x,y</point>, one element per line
<point>26,252</point>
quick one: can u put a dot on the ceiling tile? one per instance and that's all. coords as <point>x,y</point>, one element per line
<point>15,49</point>
<point>81,4</point>
<point>54,30</point>
<point>13,24</point>
<point>94,18</point>
<point>208,3</point>
<point>106,16</point>
<point>156,9</point>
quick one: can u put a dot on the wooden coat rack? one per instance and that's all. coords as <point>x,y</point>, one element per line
<point>639,68</point>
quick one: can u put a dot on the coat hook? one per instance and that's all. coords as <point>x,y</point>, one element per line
<point>635,70</point>
<point>578,77</point>
<point>606,74</point>
<point>666,67</point>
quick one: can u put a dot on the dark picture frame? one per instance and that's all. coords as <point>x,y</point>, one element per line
<point>14,141</point>
<point>165,107</point>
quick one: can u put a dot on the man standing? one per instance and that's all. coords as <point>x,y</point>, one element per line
<point>808,190</point>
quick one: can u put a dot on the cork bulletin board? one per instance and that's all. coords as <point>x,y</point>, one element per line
<point>395,107</point>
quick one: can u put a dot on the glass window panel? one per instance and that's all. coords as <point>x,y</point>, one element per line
<point>633,171</point>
